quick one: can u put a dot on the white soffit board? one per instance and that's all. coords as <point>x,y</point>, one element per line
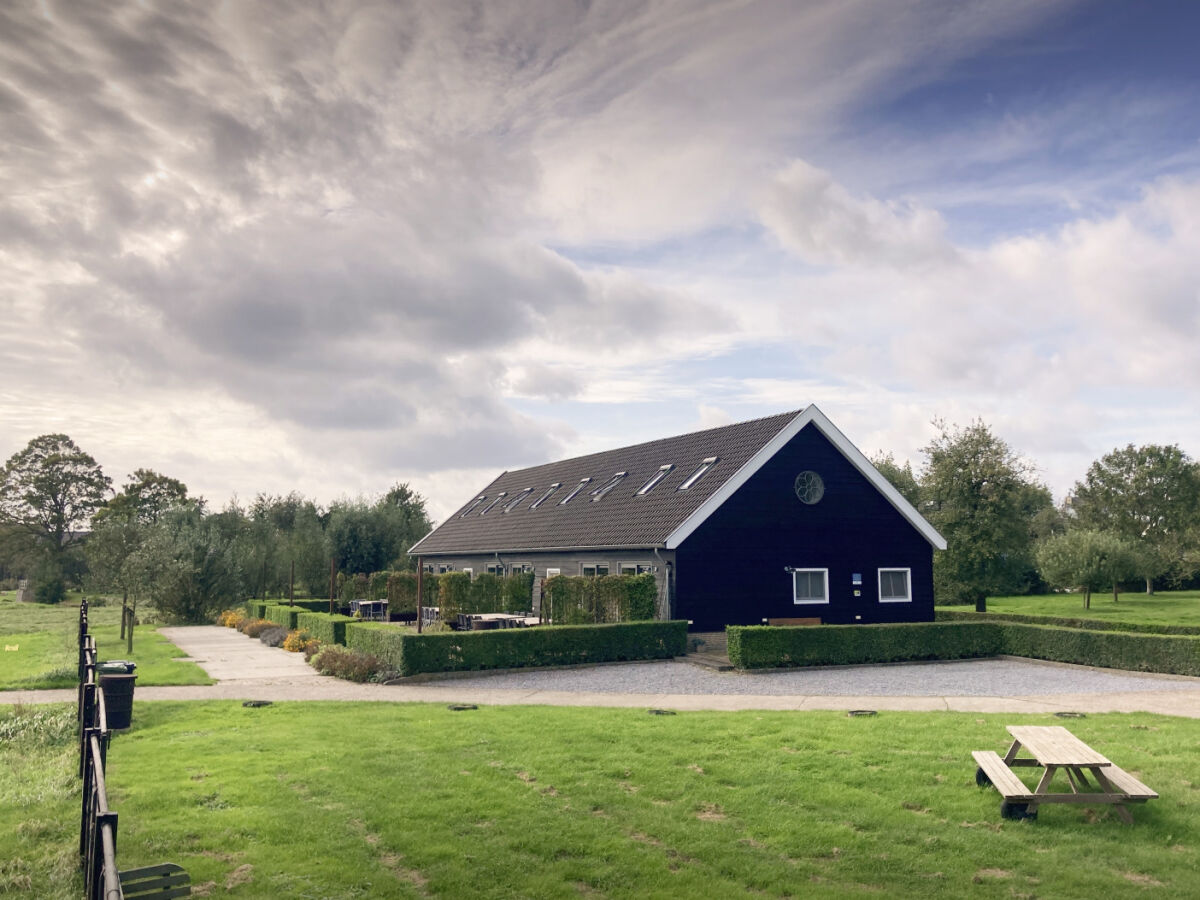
<point>812,415</point>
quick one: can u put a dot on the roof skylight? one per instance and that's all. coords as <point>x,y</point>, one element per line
<point>515,501</point>
<point>542,499</point>
<point>658,476</point>
<point>575,490</point>
<point>500,496</point>
<point>474,505</point>
<point>699,473</point>
<point>599,492</point>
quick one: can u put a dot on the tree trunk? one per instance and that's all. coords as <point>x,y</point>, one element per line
<point>1115,591</point>
<point>124,603</point>
<point>1149,586</point>
<point>1087,598</point>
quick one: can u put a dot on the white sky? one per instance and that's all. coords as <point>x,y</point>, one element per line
<point>268,248</point>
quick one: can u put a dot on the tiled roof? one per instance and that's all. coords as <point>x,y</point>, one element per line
<point>620,518</point>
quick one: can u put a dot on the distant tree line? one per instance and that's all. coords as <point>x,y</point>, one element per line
<point>63,525</point>
<point>1133,518</point>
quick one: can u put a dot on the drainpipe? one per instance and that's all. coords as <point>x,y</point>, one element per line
<point>666,567</point>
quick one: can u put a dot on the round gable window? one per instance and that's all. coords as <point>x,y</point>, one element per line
<point>809,487</point>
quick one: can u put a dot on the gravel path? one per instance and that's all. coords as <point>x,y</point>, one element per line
<point>963,678</point>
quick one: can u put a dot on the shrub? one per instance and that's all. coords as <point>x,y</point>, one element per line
<point>328,629</point>
<point>354,587</point>
<point>353,665</point>
<point>517,592</point>
<point>255,627</point>
<point>231,618</point>
<point>454,595</point>
<point>486,594</point>
<point>377,586</point>
<point>543,646</point>
<point>765,646</point>
<point>756,646</point>
<point>296,640</point>
<point>50,589</point>
<point>378,639</point>
<point>951,615</point>
<point>574,600</point>
<point>283,615</point>
<point>273,636</point>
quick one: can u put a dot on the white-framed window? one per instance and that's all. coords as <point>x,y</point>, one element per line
<point>516,501</point>
<point>443,569</point>
<point>663,472</point>
<point>636,568</point>
<point>550,573</point>
<point>608,486</point>
<point>495,569</point>
<point>627,569</point>
<point>643,569</point>
<point>575,490</point>
<point>474,506</point>
<point>593,570</point>
<point>487,509</point>
<point>469,572</point>
<point>810,585</point>
<point>895,585</point>
<point>698,474</point>
<point>546,496</point>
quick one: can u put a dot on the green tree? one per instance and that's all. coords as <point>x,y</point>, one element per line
<point>900,476</point>
<point>186,565</point>
<point>1148,495</point>
<point>1087,560</point>
<point>51,488</point>
<point>48,492</point>
<point>977,492</point>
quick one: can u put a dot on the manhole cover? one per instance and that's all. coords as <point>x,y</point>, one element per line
<point>459,707</point>
<point>1071,715</point>
<point>862,712</point>
<point>661,712</point>
<point>255,704</point>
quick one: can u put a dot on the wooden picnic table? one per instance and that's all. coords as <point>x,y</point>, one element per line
<point>1053,748</point>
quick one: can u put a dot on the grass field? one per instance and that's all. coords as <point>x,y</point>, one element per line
<point>375,800</point>
<point>1161,608</point>
<point>39,647</point>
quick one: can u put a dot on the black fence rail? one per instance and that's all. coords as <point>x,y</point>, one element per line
<point>98,823</point>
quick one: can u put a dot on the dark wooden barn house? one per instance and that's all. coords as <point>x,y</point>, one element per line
<point>775,519</point>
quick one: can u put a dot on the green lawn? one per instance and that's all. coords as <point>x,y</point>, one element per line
<point>391,800</point>
<point>1161,608</point>
<point>38,647</point>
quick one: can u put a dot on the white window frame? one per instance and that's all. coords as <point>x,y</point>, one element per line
<point>663,472</point>
<point>515,501</point>
<point>495,569</point>
<point>500,496</point>
<point>583,482</point>
<point>550,573</point>
<point>907,583</point>
<point>546,496</point>
<point>599,492</point>
<point>699,473</point>
<point>597,566</point>
<point>469,572</point>
<point>799,602</point>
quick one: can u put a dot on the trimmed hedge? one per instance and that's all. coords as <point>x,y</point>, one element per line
<point>515,648</point>
<point>402,591</point>
<point>950,615</point>
<point>326,628</point>
<point>377,638</point>
<point>768,646</point>
<point>282,615</point>
<point>576,600</point>
<point>760,647</point>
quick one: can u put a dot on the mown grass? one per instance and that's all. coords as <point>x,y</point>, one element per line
<point>38,647</point>
<point>1160,608</point>
<point>375,800</point>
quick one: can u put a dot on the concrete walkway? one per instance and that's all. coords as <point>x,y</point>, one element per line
<point>246,669</point>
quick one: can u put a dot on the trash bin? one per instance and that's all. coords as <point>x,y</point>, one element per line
<point>116,680</point>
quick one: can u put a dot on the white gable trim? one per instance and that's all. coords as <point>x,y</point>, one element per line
<point>814,416</point>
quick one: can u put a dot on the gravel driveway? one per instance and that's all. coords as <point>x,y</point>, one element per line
<point>963,678</point>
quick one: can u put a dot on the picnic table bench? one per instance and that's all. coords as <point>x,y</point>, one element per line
<point>1052,747</point>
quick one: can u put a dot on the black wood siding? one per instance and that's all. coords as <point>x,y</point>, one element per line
<point>731,570</point>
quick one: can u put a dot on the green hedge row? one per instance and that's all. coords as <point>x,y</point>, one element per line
<point>378,639</point>
<point>544,646</point>
<point>760,647</point>
<point>576,600</point>
<point>766,646</point>
<point>328,629</point>
<point>282,615</point>
<point>514,648</point>
<point>950,615</point>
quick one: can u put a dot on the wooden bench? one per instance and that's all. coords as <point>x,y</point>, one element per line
<point>997,773</point>
<point>1134,790</point>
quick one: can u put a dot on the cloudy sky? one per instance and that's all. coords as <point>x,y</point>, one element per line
<point>330,246</point>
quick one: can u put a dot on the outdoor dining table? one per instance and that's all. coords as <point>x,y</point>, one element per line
<point>370,609</point>
<point>1053,748</point>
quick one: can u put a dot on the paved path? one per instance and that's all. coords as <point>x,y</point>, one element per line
<point>249,670</point>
